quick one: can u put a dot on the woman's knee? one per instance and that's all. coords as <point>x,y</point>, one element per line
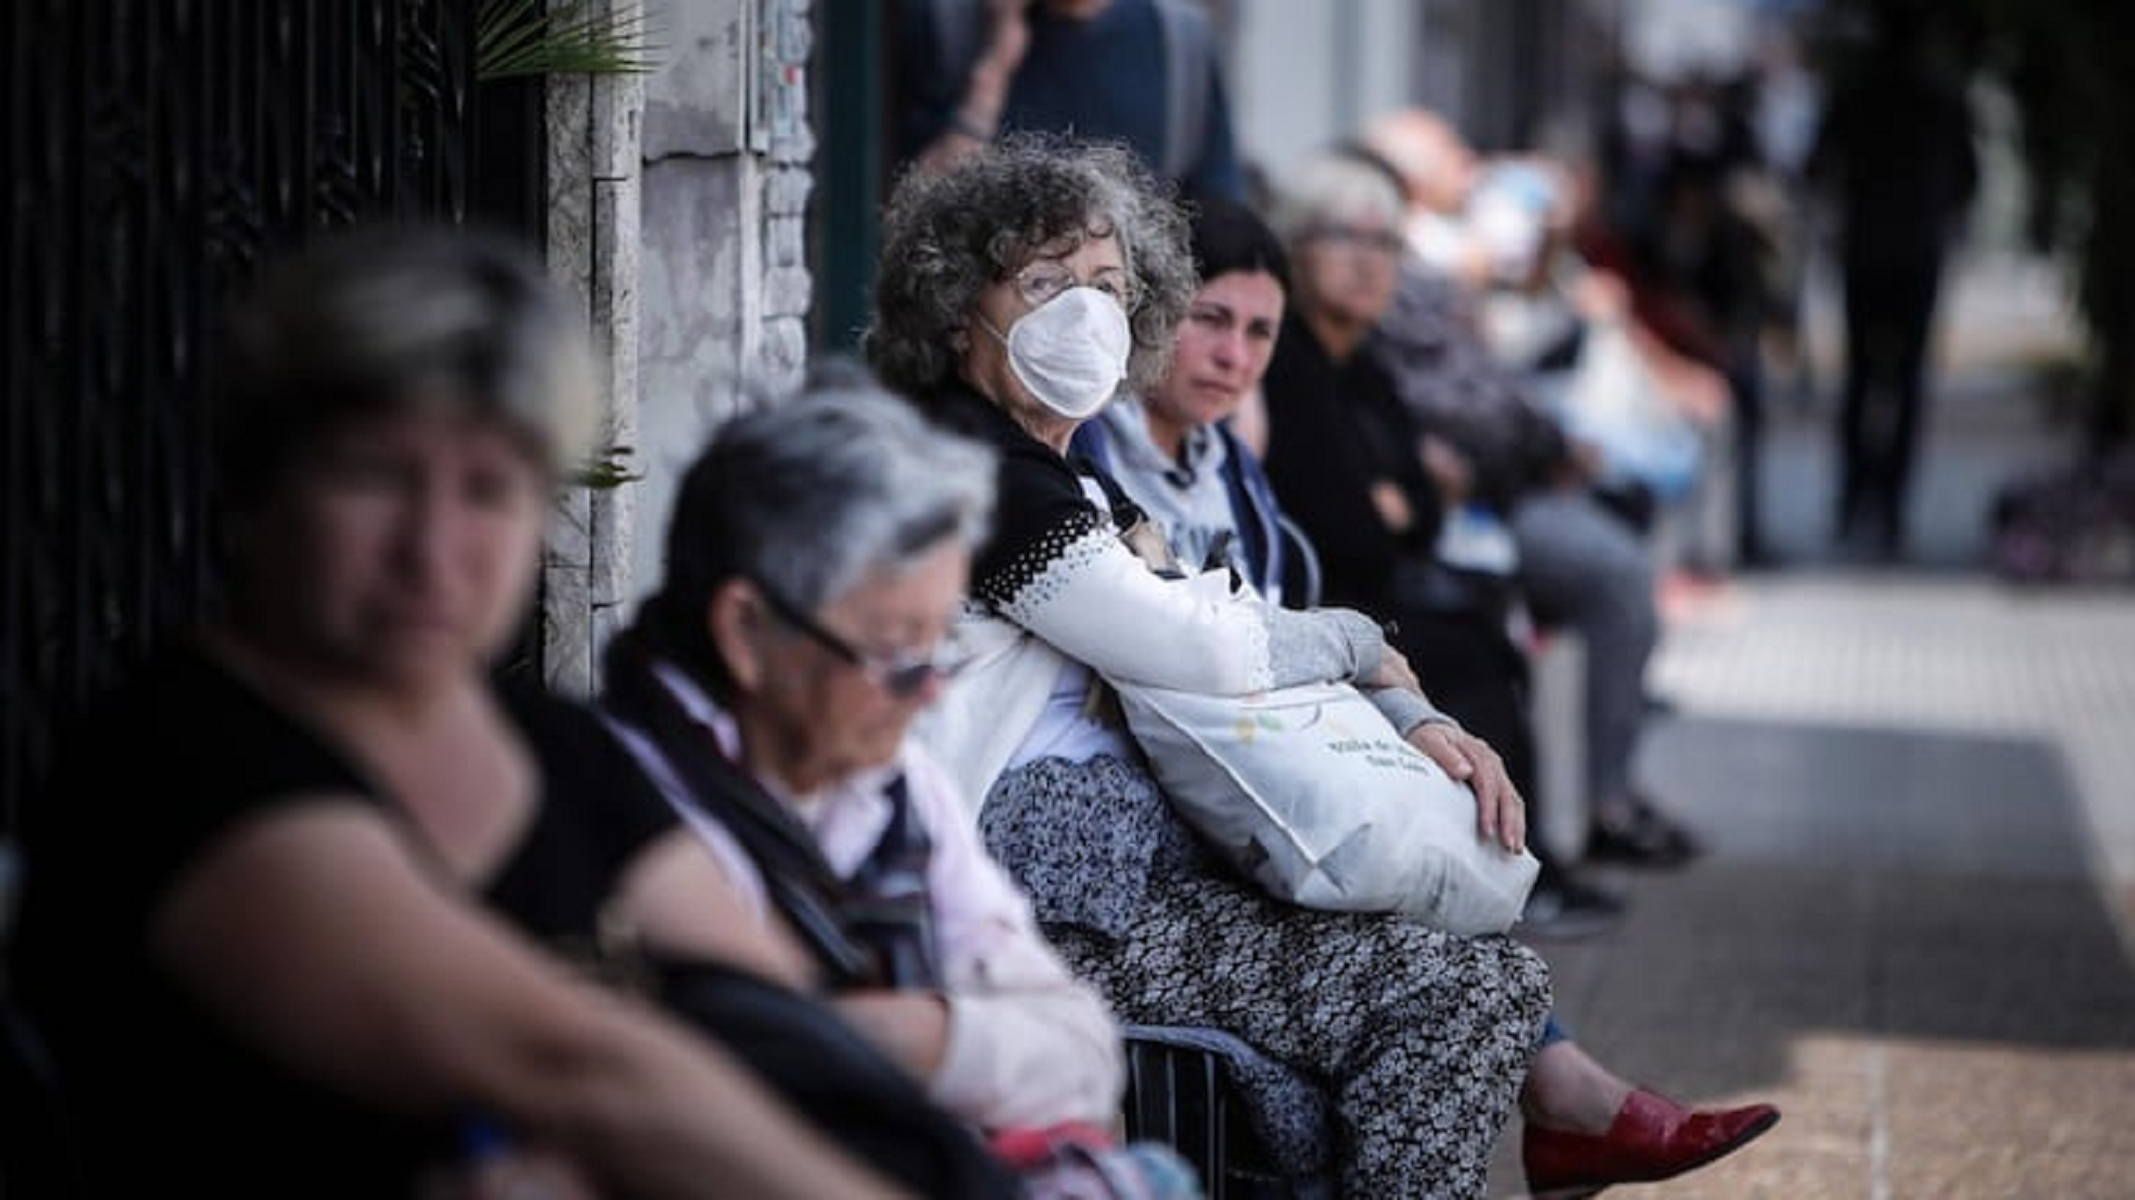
<point>1489,981</point>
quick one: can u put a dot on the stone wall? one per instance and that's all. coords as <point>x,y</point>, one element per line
<point>725,281</point>
<point>593,210</point>
<point>678,208</point>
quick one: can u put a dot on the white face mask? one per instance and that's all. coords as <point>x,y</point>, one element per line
<point>1070,353</point>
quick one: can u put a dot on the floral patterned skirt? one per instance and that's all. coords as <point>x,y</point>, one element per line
<point>1419,1038</point>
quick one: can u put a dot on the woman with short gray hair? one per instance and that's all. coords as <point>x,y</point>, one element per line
<point>1337,194</point>
<point>817,551</point>
<point>772,498</point>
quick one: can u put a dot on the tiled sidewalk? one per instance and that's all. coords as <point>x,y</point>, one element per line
<point>1916,792</point>
<point>1942,656</point>
<point>1913,931</point>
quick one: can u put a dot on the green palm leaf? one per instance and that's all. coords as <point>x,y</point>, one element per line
<point>571,37</point>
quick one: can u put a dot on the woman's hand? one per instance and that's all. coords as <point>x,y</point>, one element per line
<point>1501,815</point>
<point>977,115</point>
<point>1393,671</point>
<point>1392,505</point>
<point>1007,37</point>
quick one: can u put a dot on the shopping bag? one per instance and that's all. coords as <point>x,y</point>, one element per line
<point>1313,794</point>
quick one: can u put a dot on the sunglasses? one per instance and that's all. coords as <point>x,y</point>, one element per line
<point>901,675</point>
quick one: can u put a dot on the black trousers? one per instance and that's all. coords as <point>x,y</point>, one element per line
<point>1890,307</point>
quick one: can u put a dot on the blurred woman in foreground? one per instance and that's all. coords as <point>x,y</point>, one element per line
<point>282,918</point>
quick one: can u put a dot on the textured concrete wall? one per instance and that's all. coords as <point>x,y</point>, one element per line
<point>594,134</point>
<point>724,277</point>
<point>678,209</point>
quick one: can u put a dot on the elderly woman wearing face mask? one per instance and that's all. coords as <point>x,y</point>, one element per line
<point>1017,293</point>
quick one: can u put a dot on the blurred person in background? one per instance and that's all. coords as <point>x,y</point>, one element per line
<point>1143,72</point>
<point>1697,257</point>
<point>1895,151</point>
<point>1580,551</point>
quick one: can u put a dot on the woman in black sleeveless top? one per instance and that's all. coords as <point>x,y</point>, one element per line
<point>287,899</point>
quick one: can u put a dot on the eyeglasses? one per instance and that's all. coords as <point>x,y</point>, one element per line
<point>901,675</point>
<point>1042,281</point>
<point>1373,241</point>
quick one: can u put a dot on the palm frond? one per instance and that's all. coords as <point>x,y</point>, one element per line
<point>571,37</point>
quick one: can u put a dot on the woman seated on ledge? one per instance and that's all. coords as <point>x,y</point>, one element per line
<point>288,897</point>
<point>817,551</point>
<point>1016,292</point>
<point>1168,450</point>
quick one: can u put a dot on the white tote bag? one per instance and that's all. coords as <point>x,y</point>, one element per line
<point>1316,797</point>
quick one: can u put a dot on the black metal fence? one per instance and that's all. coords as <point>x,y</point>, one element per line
<point>155,149</point>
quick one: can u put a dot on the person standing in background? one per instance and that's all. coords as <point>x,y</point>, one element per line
<point>1895,151</point>
<point>1142,72</point>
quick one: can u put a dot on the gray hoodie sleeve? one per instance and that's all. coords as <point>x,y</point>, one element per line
<point>1322,644</point>
<point>1340,643</point>
<point>1405,710</point>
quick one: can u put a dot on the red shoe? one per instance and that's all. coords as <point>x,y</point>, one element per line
<point>1651,1138</point>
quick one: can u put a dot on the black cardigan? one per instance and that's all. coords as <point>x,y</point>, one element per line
<point>1334,429</point>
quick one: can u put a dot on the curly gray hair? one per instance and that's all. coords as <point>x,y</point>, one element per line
<point>948,236</point>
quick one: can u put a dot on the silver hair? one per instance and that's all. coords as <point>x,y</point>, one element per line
<point>392,318</point>
<point>1335,187</point>
<point>812,496</point>
<point>949,236</point>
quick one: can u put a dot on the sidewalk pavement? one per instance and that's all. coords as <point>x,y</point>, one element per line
<point>1913,928</point>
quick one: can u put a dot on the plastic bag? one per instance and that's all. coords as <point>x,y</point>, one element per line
<point>1613,403</point>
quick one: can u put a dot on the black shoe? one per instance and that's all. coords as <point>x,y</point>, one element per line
<point>1566,910</point>
<point>1643,837</point>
